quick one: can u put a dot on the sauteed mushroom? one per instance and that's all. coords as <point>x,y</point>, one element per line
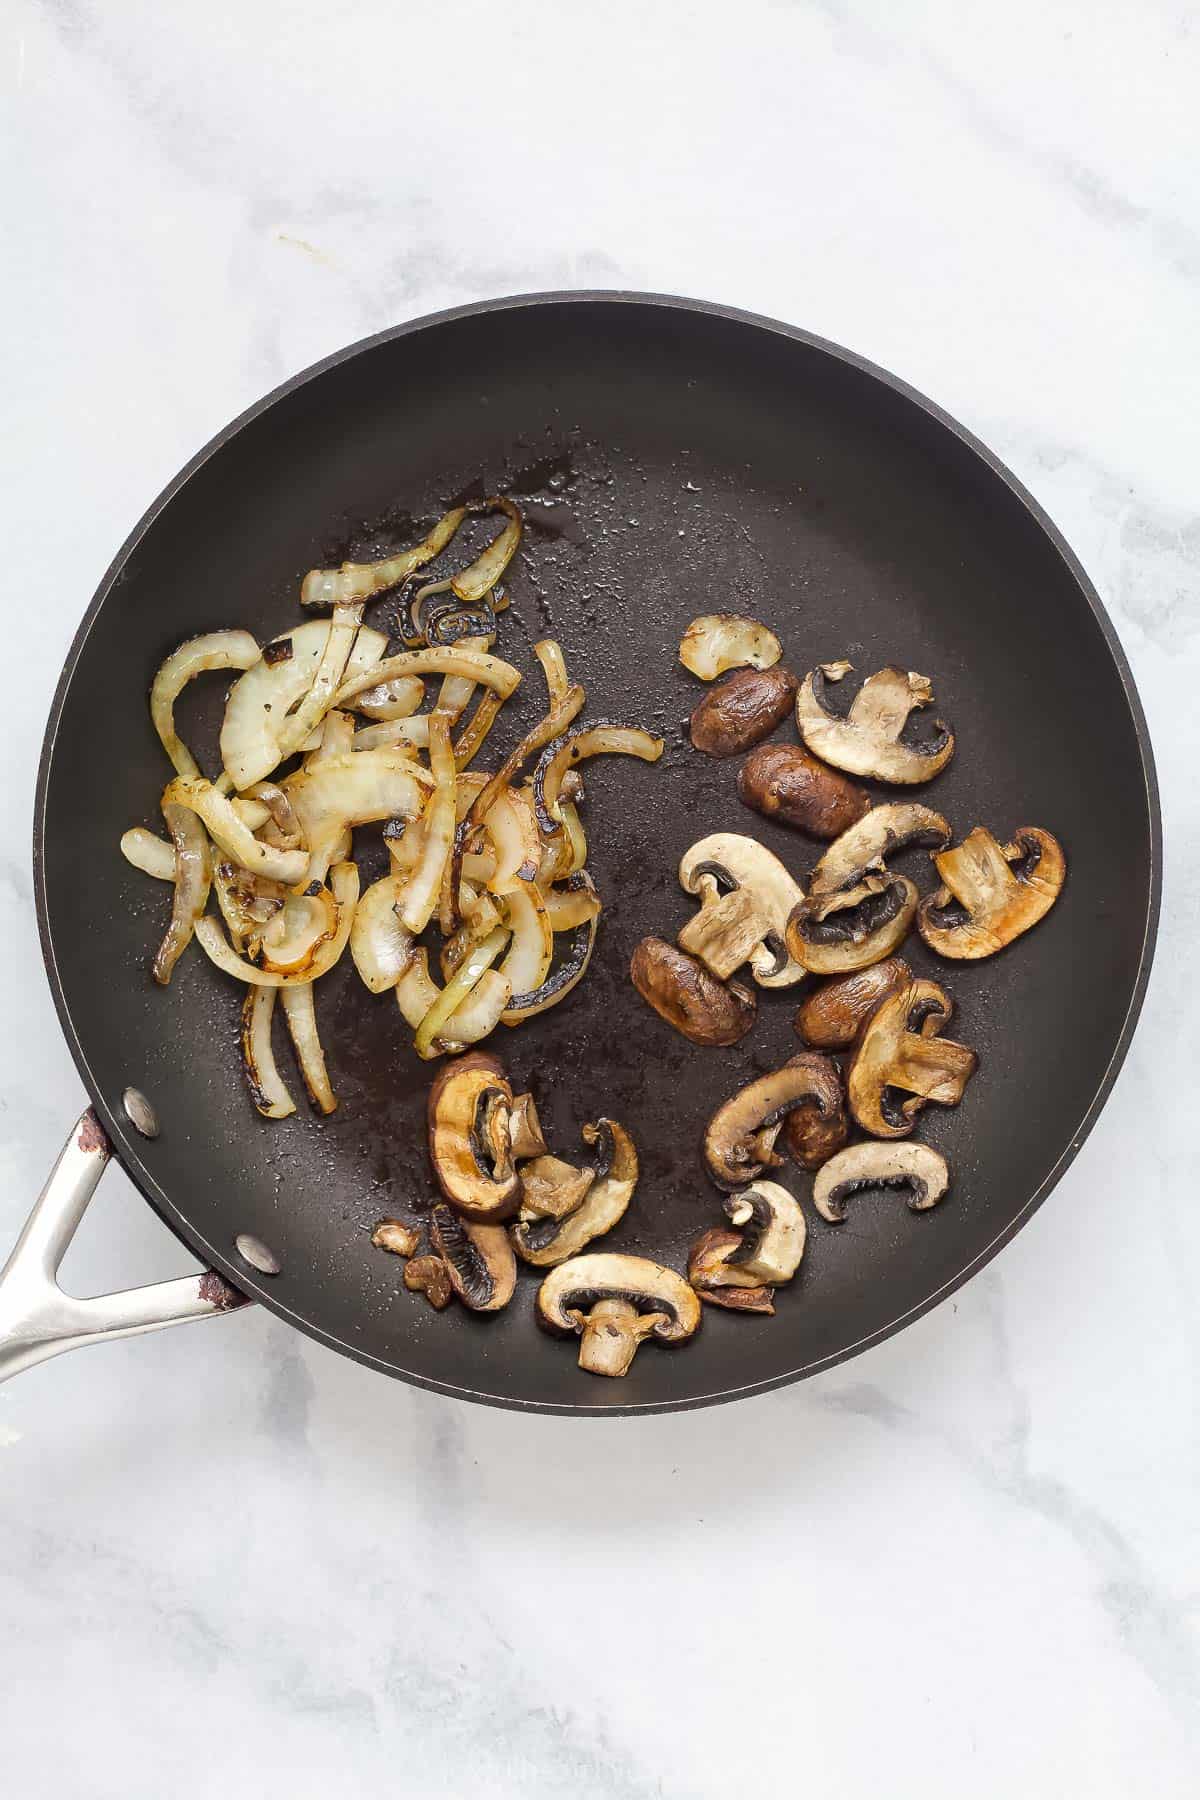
<point>429,1275</point>
<point>719,641</point>
<point>913,1166</point>
<point>782,781</point>
<point>744,890</point>
<point>524,1129</point>
<point>681,991</point>
<point>479,1259</point>
<point>867,741</point>
<point>552,1189</point>
<point>544,1242</point>
<point>744,708</point>
<point>811,1136</point>
<point>991,893</point>
<point>739,1144</point>
<point>470,1105</point>
<point>615,1303</point>
<point>900,1053</point>
<point>772,1228</point>
<point>834,934</point>
<point>717,1280</point>
<point>831,1018</point>
<point>872,839</point>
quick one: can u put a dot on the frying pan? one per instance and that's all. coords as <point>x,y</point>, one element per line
<point>672,458</point>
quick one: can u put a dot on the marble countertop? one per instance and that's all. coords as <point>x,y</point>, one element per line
<point>966,1562</point>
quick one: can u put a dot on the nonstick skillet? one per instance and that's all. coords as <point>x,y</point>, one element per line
<point>672,458</point>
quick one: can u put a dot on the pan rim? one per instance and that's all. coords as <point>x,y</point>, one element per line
<point>125,1140</point>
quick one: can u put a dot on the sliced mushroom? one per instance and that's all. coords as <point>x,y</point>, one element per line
<point>746,706</point>
<point>525,1130</point>
<point>479,1259</point>
<point>991,893</point>
<point>470,1105</point>
<point>810,1137</point>
<point>835,934</point>
<point>545,1242</point>
<point>429,1275</point>
<point>719,1281</point>
<point>719,641</point>
<point>831,1018</point>
<point>924,1172</point>
<point>396,1236</point>
<point>868,741</point>
<point>552,1189</point>
<point>681,991</point>
<point>615,1303</point>
<point>868,843</point>
<point>739,1144</point>
<point>773,1231</point>
<point>724,862</point>
<point>899,1053</point>
<point>782,781</point>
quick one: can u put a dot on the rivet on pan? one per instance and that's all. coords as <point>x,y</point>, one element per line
<point>255,1252</point>
<point>139,1112</point>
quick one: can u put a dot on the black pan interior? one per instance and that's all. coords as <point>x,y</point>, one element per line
<point>672,460</point>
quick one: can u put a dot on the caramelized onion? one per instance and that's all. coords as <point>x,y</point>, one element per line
<point>479,1014</point>
<point>151,854</point>
<point>344,881</point>
<point>560,982</point>
<point>359,581</point>
<point>380,945</point>
<point>235,838</point>
<point>456,990</point>
<point>421,891</point>
<point>215,650</point>
<point>193,873</point>
<point>258,705</point>
<point>301,1015</point>
<point>602,738</point>
<point>357,788</point>
<point>532,949</point>
<point>491,671</point>
<point>267,1087</point>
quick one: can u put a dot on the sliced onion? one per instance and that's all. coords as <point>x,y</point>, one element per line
<point>234,837</point>
<point>479,1014</point>
<point>416,990</point>
<point>247,903</point>
<point>258,705</point>
<point>331,671</point>
<point>151,854</point>
<point>456,990</point>
<point>301,1015</point>
<point>569,973</point>
<point>335,738</point>
<point>279,807</point>
<point>215,650</point>
<point>472,739</point>
<point>359,581</point>
<point>481,915</point>
<point>357,788</point>
<point>397,699</point>
<point>572,904</point>
<point>554,668</point>
<point>193,873</point>
<point>456,691</point>
<point>381,946</point>
<point>532,949</point>
<point>252,813</point>
<point>421,892</point>
<point>267,1087</point>
<point>409,734</point>
<point>513,829</point>
<point>490,670</point>
<point>551,726</point>
<point>473,583</point>
<point>602,738</point>
<point>292,939</point>
<point>344,880</point>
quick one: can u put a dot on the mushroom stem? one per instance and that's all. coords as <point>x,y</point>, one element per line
<point>611,1336</point>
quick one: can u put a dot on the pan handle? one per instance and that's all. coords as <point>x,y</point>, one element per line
<point>37,1320</point>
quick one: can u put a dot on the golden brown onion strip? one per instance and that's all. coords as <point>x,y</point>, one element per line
<point>215,650</point>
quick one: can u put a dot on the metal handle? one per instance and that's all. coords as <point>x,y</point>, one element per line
<point>37,1320</point>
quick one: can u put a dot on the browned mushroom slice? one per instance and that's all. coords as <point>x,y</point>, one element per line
<point>681,991</point>
<point>744,890</point>
<point>396,1236</point>
<point>718,1281</point>
<point>785,782</point>
<point>742,710</point>
<point>547,1241</point>
<point>991,893</point>
<point>479,1259</point>
<point>525,1130</point>
<point>810,1136</point>
<point>773,1231</point>
<point>914,1168</point>
<point>901,1062</point>
<point>470,1106</point>
<point>868,843</point>
<point>835,934</point>
<point>867,741</point>
<point>553,1189</point>
<point>429,1275</point>
<point>615,1303</point>
<point>739,1144</point>
<point>831,1018</point>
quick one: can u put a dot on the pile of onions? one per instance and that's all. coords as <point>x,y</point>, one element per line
<point>323,734</point>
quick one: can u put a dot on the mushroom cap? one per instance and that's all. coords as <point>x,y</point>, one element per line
<point>919,1168</point>
<point>718,641</point>
<point>868,843</point>
<point>838,933</point>
<point>832,1017</point>
<point>569,1293</point>
<point>683,992</point>
<point>727,859</point>
<point>773,1231</point>
<point>739,1144</point>
<point>900,1051</point>
<point>479,1259</point>
<point>547,1242</point>
<point>991,893</point>
<point>867,741</point>
<point>469,1108</point>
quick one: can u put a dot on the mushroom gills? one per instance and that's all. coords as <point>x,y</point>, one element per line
<point>921,1170</point>
<point>835,934</point>
<point>866,845</point>
<point>867,740</point>
<point>773,1231</point>
<point>716,1280</point>
<point>615,1303</point>
<point>739,1144</point>
<point>479,1259</point>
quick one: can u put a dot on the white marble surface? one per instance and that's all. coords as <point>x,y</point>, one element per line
<point>967,1563</point>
